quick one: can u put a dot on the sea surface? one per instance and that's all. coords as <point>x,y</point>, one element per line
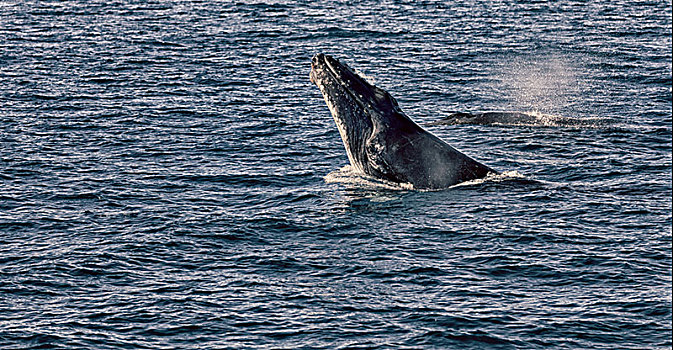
<point>170,178</point>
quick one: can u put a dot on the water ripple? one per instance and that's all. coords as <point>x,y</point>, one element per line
<point>169,178</point>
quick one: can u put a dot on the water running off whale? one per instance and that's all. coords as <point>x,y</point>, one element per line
<point>380,140</point>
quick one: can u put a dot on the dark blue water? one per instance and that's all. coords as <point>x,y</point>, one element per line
<point>169,177</point>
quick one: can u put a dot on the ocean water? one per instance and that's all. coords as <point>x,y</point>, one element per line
<point>170,179</point>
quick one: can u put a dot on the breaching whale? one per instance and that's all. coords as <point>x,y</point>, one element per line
<point>380,140</point>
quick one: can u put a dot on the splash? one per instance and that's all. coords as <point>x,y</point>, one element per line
<point>493,178</point>
<point>546,84</point>
<point>348,175</point>
<point>551,120</point>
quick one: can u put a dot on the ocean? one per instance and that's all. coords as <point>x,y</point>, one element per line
<point>171,179</point>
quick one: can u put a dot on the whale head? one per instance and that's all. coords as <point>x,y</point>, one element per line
<point>363,113</point>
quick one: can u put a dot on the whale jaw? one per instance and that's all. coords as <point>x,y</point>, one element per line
<point>349,113</point>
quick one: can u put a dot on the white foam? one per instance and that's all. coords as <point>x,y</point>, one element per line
<point>491,177</point>
<point>350,176</point>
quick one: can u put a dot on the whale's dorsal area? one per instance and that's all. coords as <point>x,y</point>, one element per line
<point>380,139</point>
<point>519,118</point>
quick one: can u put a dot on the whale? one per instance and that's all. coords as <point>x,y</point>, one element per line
<point>380,139</point>
<point>518,118</point>
<point>487,118</point>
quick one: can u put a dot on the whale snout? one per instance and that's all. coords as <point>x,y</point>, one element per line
<point>317,58</point>
<point>317,63</point>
